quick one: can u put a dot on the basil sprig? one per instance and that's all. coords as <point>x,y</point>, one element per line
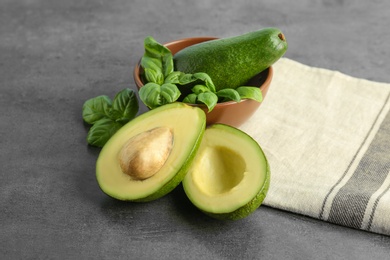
<point>164,85</point>
<point>107,116</point>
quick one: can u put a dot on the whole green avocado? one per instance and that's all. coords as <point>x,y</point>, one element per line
<point>232,62</point>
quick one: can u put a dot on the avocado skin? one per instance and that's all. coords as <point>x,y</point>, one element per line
<point>232,62</point>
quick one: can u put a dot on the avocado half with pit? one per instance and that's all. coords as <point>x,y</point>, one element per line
<point>149,156</point>
<point>230,175</point>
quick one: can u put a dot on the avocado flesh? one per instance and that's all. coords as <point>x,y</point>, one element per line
<point>230,175</point>
<point>232,62</point>
<point>187,125</point>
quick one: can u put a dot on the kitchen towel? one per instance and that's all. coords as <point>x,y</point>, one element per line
<point>327,139</point>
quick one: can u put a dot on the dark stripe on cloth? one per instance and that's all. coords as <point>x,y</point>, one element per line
<point>321,215</point>
<point>350,203</point>
<point>374,207</point>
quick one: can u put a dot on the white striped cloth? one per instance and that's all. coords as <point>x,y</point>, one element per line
<point>327,138</point>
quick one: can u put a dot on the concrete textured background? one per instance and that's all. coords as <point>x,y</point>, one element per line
<point>54,55</point>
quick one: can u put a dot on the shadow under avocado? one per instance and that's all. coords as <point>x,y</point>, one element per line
<point>208,231</point>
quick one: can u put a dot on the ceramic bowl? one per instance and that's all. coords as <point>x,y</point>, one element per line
<point>230,113</point>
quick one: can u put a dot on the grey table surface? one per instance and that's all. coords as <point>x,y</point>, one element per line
<point>54,55</point>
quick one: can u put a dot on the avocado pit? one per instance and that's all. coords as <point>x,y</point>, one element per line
<point>143,155</point>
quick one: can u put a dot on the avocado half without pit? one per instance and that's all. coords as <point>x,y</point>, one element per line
<point>230,175</point>
<point>223,170</point>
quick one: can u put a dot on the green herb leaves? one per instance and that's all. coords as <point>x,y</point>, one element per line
<point>154,95</point>
<point>96,108</point>
<point>164,85</point>
<point>101,131</point>
<point>250,92</point>
<point>157,61</point>
<point>106,116</point>
<point>158,54</point>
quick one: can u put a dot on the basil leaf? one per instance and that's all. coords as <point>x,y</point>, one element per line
<point>154,76</point>
<point>191,98</point>
<point>206,79</point>
<point>150,95</point>
<point>107,117</point>
<point>186,79</point>
<point>169,93</point>
<point>102,131</point>
<point>155,50</point>
<point>151,63</point>
<point>126,105</point>
<point>167,64</point>
<point>173,77</point>
<point>210,99</point>
<point>229,94</point>
<point>96,108</point>
<point>189,78</point>
<point>251,93</point>
<point>197,89</point>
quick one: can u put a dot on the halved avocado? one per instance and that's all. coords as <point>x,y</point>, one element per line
<point>149,156</point>
<point>230,175</point>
